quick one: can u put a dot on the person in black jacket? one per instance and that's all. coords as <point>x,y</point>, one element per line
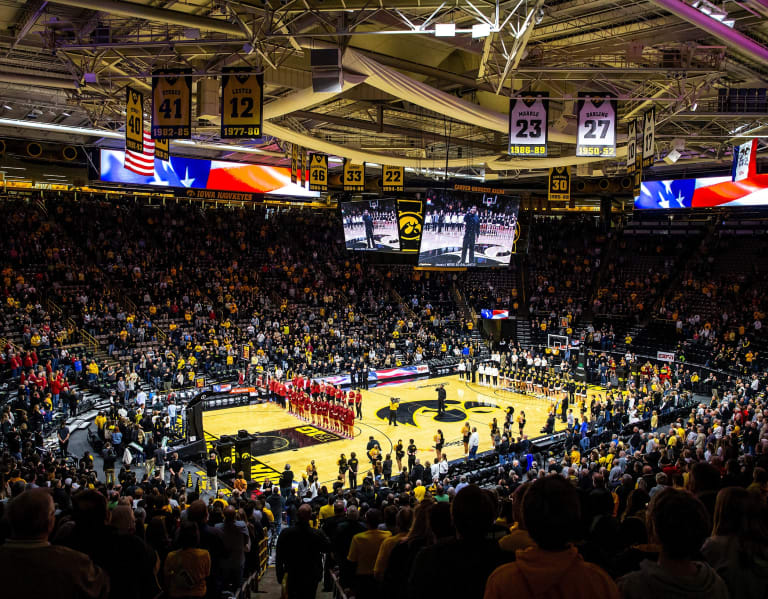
<point>471,231</point>
<point>370,243</point>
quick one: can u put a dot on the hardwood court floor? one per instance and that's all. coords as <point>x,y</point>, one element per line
<point>284,439</point>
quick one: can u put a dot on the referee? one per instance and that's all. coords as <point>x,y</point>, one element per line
<point>394,403</point>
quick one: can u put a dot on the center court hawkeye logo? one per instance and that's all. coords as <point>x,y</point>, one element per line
<point>455,411</point>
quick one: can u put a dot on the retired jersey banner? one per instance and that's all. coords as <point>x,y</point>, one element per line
<point>172,105</point>
<point>528,117</point>
<point>318,172</point>
<point>294,163</point>
<point>410,221</point>
<point>744,160</point>
<point>596,133</point>
<point>134,120</point>
<point>560,184</point>
<point>354,176</point>
<point>632,146</point>
<point>303,173</point>
<point>649,137</point>
<point>392,178</point>
<point>163,150</point>
<point>242,103</point>
<point>637,181</point>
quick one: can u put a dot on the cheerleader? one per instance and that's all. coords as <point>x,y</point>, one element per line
<point>538,384</point>
<point>529,383</point>
<point>521,421</point>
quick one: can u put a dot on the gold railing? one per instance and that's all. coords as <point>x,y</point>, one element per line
<point>89,340</point>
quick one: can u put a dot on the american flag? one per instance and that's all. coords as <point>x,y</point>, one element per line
<point>142,163</point>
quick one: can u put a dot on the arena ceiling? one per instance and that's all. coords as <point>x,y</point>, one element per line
<point>67,63</point>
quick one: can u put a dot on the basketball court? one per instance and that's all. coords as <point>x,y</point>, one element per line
<point>284,439</point>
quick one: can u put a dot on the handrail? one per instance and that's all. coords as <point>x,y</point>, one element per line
<point>252,582</point>
<point>86,337</point>
<point>338,589</point>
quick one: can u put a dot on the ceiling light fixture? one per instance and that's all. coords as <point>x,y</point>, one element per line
<point>445,30</point>
<point>481,30</point>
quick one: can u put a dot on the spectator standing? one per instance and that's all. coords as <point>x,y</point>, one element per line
<point>68,573</point>
<point>553,568</point>
<point>298,556</point>
<point>679,522</point>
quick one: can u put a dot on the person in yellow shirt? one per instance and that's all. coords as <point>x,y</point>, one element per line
<point>327,511</point>
<point>404,520</point>
<point>419,491</point>
<point>363,553</point>
<point>553,567</point>
<point>575,456</point>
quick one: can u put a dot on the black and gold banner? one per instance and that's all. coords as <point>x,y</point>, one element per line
<point>354,176</point>
<point>294,163</point>
<point>242,103</point>
<point>410,222</point>
<point>162,150</point>
<point>637,178</point>
<point>318,172</point>
<point>303,174</point>
<point>559,184</point>
<point>392,178</point>
<point>172,105</point>
<point>632,146</point>
<point>649,137</point>
<point>134,121</point>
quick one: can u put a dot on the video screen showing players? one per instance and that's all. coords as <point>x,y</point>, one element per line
<point>468,229</point>
<point>370,226</point>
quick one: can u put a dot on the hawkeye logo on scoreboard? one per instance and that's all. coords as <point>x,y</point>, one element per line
<point>392,178</point>
<point>354,176</point>
<point>528,117</point>
<point>632,146</point>
<point>410,221</point>
<point>134,120</point>
<point>318,172</point>
<point>596,134</point>
<point>172,105</point>
<point>649,137</point>
<point>560,184</point>
<point>294,163</point>
<point>242,103</point>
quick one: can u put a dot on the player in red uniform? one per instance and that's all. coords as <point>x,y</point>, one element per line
<point>359,404</point>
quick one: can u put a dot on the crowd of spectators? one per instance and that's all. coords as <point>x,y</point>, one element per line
<point>657,490</point>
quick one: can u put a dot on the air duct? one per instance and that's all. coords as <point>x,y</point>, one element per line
<point>38,81</point>
<point>69,153</point>
<point>161,15</point>
<point>730,37</point>
<point>34,149</point>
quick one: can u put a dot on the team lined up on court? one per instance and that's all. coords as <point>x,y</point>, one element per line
<point>322,404</point>
<point>537,380</point>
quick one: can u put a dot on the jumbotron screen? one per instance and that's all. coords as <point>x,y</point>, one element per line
<point>197,173</point>
<point>468,229</point>
<point>370,225</point>
<point>704,192</point>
